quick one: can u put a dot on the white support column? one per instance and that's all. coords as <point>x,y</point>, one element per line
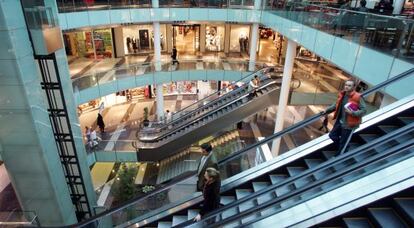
<point>253,46</point>
<point>284,93</point>
<point>155,3</point>
<point>257,4</point>
<point>157,60</point>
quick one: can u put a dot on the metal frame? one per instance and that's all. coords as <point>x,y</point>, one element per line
<point>63,134</point>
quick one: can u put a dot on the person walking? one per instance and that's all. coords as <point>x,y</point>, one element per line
<point>100,123</point>
<point>211,193</point>
<point>207,160</point>
<point>174,56</point>
<point>93,143</point>
<point>88,135</point>
<point>348,111</point>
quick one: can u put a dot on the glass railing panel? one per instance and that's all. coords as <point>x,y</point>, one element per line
<point>18,219</point>
<point>389,35</point>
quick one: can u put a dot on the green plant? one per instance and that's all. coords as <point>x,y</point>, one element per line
<point>125,188</point>
<point>146,113</point>
<point>147,188</point>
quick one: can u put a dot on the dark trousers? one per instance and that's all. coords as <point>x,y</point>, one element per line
<point>339,135</point>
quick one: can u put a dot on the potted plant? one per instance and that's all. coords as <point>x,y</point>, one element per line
<point>146,121</point>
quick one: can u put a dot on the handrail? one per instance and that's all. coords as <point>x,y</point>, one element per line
<point>180,113</point>
<point>266,140</point>
<point>313,118</point>
<point>202,116</point>
<point>377,142</point>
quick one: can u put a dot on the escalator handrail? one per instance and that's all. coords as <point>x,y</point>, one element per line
<point>314,117</point>
<point>160,137</point>
<point>377,142</point>
<point>205,98</point>
<point>138,199</point>
<point>267,139</point>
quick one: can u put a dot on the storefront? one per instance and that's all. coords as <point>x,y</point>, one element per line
<point>186,38</point>
<point>239,38</point>
<point>269,45</point>
<point>96,44</point>
<point>215,38</point>
<point>140,38</point>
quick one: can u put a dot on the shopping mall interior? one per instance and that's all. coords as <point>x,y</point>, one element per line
<point>106,108</point>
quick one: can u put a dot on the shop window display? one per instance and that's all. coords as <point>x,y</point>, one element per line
<point>103,43</point>
<point>180,87</point>
<point>239,38</point>
<point>140,38</point>
<point>214,38</point>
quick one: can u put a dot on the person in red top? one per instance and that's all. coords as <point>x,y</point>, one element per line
<point>348,111</point>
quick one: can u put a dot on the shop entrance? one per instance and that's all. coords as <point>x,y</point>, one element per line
<point>186,38</point>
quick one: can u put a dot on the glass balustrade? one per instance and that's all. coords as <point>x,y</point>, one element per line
<point>386,34</point>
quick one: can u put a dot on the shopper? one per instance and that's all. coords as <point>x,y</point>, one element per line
<point>348,111</point>
<point>168,116</point>
<point>174,56</point>
<point>253,85</point>
<point>211,193</point>
<point>93,143</point>
<point>100,122</point>
<point>362,6</point>
<point>207,160</point>
<point>88,135</point>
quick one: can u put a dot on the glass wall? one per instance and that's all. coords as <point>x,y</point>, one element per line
<point>140,38</point>
<point>239,38</point>
<point>214,37</point>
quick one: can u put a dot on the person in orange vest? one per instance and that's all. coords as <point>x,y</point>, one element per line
<point>348,111</point>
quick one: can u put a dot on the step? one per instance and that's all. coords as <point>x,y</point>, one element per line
<point>320,174</point>
<point>241,193</point>
<point>388,128</point>
<point>405,207</point>
<point>357,222</point>
<point>294,171</point>
<point>192,213</point>
<point>328,154</point>
<point>369,137</point>
<point>257,186</point>
<point>406,120</point>
<point>386,217</point>
<point>231,211</point>
<point>178,219</point>
<point>164,224</point>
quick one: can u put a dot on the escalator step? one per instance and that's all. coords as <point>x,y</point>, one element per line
<point>357,222</point>
<point>178,219</point>
<point>369,137</point>
<point>388,128</point>
<point>241,193</point>
<point>311,163</point>
<point>386,217</point>
<point>406,120</point>
<point>257,186</point>
<point>329,154</point>
<point>192,213</point>
<point>293,171</point>
<point>231,211</point>
<point>164,224</point>
<point>405,207</point>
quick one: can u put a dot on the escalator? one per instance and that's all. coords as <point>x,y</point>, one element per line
<point>371,149</point>
<point>266,193</point>
<point>396,210</point>
<point>225,110</point>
